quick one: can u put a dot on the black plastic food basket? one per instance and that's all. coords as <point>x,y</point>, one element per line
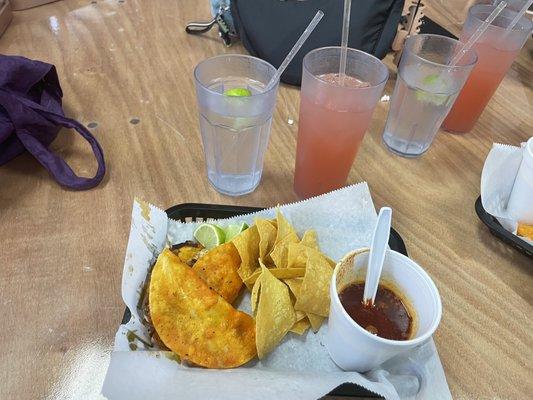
<point>500,232</point>
<point>190,212</point>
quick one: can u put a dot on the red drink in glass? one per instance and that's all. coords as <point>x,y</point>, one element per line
<point>496,50</point>
<point>334,118</point>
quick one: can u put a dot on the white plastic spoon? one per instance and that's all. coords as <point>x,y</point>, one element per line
<point>380,241</point>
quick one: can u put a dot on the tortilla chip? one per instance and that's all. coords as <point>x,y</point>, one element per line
<point>280,252</point>
<point>309,239</point>
<point>316,321</point>
<point>331,262</point>
<point>299,315</point>
<point>295,285</point>
<point>247,244</point>
<point>297,255</point>
<point>254,298</point>
<point>284,228</point>
<point>195,322</point>
<point>301,326</point>
<point>267,238</point>
<point>313,296</point>
<point>275,313</point>
<point>280,273</point>
<point>218,268</point>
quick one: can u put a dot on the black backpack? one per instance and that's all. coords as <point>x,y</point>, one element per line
<point>269,28</point>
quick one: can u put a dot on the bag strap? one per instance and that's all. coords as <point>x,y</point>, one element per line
<point>58,167</point>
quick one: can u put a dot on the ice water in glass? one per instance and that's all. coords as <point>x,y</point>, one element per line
<point>421,101</point>
<point>425,90</point>
<point>236,145</point>
<point>235,130</point>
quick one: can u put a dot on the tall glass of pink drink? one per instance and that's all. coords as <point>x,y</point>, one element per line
<point>334,117</point>
<point>496,50</point>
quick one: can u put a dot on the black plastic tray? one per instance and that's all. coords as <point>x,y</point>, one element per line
<point>189,212</point>
<point>500,232</point>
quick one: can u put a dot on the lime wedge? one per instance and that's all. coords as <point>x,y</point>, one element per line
<point>238,92</point>
<point>234,229</point>
<point>431,79</point>
<point>209,235</point>
<point>432,84</point>
<point>435,99</point>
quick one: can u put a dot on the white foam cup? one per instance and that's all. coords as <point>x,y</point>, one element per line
<point>352,347</point>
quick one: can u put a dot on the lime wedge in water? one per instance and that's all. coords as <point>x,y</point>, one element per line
<point>234,229</point>
<point>209,235</point>
<point>432,83</point>
<point>431,79</point>
<point>238,92</point>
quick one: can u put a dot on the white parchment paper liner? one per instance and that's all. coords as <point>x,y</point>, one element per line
<point>497,180</point>
<point>300,367</point>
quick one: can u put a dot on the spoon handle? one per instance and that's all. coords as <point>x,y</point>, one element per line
<point>380,240</point>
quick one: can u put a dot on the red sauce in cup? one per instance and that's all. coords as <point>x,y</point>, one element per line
<point>388,318</point>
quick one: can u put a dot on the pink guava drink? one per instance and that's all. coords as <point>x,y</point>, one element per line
<point>334,118</point>
<point>496,50</point>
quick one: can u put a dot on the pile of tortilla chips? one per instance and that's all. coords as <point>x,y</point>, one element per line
<point>288,279</point>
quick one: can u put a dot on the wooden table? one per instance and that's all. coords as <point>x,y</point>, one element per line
<point>61,251</point>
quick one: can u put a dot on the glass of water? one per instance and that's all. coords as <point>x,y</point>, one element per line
<point>235,111</point>
<point>425,90</point>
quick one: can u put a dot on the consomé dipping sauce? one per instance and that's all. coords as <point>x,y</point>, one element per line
<point>388,318</point>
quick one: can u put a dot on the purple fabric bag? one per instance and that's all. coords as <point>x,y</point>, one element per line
<point>31,117</point>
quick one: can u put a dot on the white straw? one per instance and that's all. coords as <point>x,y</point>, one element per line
<point>482,28</point>
<point>344,40</point>
<point>519,15</point>
<point>312,25</point>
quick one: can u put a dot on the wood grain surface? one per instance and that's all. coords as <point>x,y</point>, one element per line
<point>120,62</point>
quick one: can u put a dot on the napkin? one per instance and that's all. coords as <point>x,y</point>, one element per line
<point>300,367</point>
<point>500,179</point>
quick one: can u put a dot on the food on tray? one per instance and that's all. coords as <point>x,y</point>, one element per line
<point>293,263</point>
<point>525,231</point>
<point>247,244</point>
<point>388,318</point>
<point>194,321</point>
<point>189,252</point>
<point>316,321</point>
<point>280,273</point>
<point>218,268</point>
<point>301,326</point>
<point>313,296</point>
<point>233,230</point>
<point>209,235</point>
<point>212,235</point>
<point>275,313</point>
<point>193,285</point>
<point>267,238</point>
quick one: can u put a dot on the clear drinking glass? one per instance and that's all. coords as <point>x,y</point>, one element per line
<point>235,130</point>
<point>334,118</point>
<point>425,90</point>
<point>496,49</point>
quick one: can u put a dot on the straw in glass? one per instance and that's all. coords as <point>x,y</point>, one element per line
<point>312,25</point>
<point>477,34</point>
<point>518,16</point>
<point>344,40</point>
